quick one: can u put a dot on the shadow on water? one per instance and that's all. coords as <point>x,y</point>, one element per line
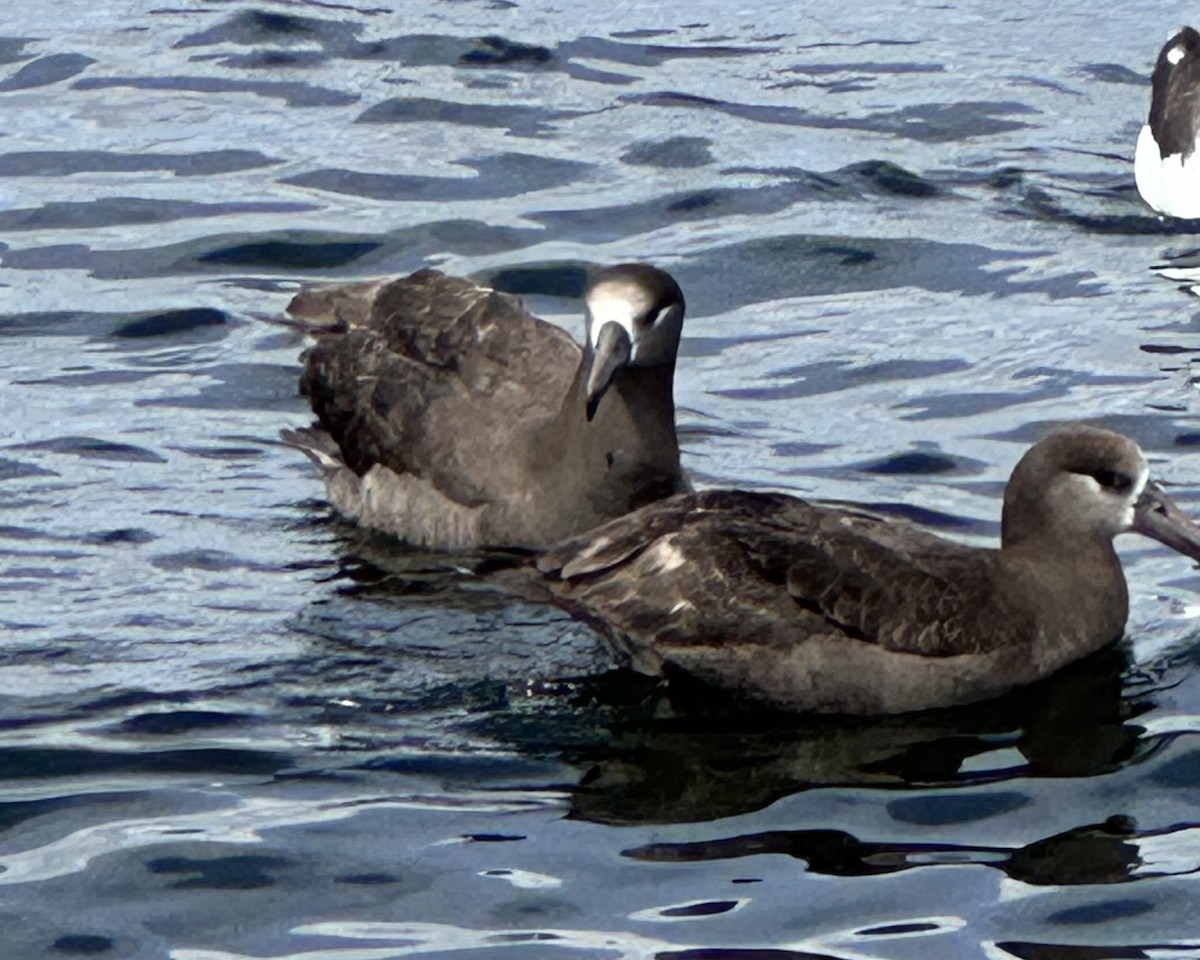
<point>1105,853</point>
<point>276,34</point>
<point>926,122</point>
<point>1095,203</point>
<point>1066,951</point>
<point>679,754</point>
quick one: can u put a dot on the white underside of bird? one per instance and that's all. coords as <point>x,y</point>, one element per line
<point>1171,185</point>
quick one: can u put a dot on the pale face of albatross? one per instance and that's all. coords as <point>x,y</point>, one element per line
<point>634,318</point>
<point>1166,165</point>
<point>1084,483</point>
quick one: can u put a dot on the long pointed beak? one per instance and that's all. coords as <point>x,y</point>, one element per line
<point>1157,516</point>
<point>613,348</point>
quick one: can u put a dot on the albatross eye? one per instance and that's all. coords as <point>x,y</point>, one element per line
<point>1113,480</point>
<point>652,316</point>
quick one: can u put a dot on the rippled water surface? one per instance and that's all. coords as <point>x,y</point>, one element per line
<point>232,727</point>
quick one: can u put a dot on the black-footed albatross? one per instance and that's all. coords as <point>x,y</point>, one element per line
<point>1166,166</point>
<point>453,418</point>
<point>822,608</point>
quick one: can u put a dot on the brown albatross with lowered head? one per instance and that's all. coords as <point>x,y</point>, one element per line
<point>451,417</point>
<point>821,608</point>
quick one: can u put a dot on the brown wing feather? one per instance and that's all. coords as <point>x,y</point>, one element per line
<point>433,377</point>
<point>770,569</point>
<point>611,544</point>
<point>892,584</point>
<point>692,571</point>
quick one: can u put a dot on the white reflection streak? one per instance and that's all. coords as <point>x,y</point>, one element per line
<point>424,938</point>
<point>1169,724</point>
<point>523,879</point>
<point>1172,853</point>
<point>1012,890</point>
<point>372,953</point>
<point>410,939</point>
<point>241,823</point>
<point>838,945</point>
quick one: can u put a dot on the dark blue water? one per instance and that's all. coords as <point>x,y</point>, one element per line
<point>232,727</point>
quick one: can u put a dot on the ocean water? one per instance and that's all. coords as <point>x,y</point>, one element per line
<point>233,727</point>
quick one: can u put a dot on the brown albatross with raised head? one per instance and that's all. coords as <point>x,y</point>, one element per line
<point>451,417</point>
<point>821,608</point>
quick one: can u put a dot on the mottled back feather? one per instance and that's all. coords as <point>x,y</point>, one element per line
<point>1175,98</point>
<point>877,580</point>
<point>435,380</point>
<point>892,584</point>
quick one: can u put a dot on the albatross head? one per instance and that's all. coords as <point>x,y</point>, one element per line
<point>634,318</point>
<point>1086,483</point>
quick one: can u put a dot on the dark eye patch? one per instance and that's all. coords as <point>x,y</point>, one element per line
<point>1113,480</point>
<point>653,315</point>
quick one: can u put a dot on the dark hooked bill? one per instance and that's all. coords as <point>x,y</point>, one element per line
<point>613,348</point>
<point>1158,516</point>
